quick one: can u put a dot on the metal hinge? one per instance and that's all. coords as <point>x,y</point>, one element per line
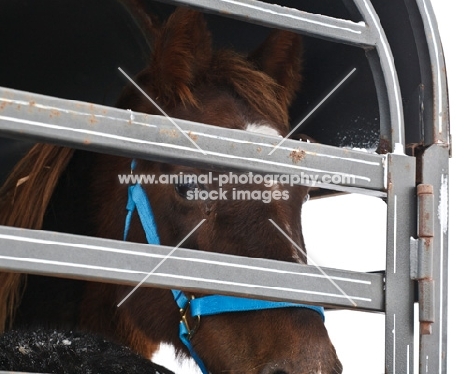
<point>421,264</point>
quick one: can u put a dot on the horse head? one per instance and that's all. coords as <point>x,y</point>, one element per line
<point>191,81</point>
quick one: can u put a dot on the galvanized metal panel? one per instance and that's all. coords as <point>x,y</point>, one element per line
<point>281,17</point>
<point>56,254</point>
<point>110,130</point>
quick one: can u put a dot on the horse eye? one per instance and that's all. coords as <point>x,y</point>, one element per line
<point>183,188</point>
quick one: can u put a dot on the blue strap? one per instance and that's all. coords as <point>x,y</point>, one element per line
<point>138,199</point>
<point>180,298</point>
<point>184,337</point>
<point>217,304</point>
<point>130,208</point>
<point>184,334</point>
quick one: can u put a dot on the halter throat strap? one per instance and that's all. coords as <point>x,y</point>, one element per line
<point>205,305</point>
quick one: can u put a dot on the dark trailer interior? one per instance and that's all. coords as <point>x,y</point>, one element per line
<point>72,49</point>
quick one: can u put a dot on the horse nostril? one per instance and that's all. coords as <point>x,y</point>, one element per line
<point>279,372</point>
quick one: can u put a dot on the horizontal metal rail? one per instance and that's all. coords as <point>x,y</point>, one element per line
<point>57,254</point>
<point>16,372</point>
<point>272,15</point>
<point>81,125</point>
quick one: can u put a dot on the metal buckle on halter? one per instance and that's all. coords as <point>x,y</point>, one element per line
<point>184,318</point>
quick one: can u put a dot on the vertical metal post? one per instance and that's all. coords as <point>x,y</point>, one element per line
<point>433,347</point>
<point>399,288</point>
<point>381,61</point>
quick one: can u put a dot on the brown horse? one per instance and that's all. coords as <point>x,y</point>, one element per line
<point>79,192</point>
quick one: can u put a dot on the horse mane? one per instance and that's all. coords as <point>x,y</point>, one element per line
<point>23,202</point>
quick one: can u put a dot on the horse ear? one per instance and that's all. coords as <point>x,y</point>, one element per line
<point>280,56</point>
<point>182,53</point>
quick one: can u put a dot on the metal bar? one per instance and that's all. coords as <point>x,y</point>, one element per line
<point>16,372</point>
<point>433,348</point>
<point>435,130</point>
<point>399,288</point>
<point>56,254</point>
<point>92,127</point>
<point>272,15</point>
<point>386,78</point>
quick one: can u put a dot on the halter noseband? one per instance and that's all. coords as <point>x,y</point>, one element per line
<point>205,305</point>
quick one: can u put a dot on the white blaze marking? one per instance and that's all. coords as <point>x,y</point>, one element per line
<point>261,129</point>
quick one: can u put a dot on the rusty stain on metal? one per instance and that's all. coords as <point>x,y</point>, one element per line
<point>54,113</point>
<point>425,328</point>
<point>425,194</point>
<point>425,189</point>
<point>171,133</point>
<point>297,155</point>
<point>192,136</point>
<point>93,119</point>
<point>259,149</point>
<point>384,146</point>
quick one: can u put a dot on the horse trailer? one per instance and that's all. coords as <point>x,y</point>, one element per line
<point>374,97</point>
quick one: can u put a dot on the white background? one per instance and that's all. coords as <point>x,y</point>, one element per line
<point>357,232</point>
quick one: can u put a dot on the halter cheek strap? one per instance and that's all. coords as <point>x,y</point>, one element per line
<point>185,332</point>
<point>138,199</point>
<point>201,306</point>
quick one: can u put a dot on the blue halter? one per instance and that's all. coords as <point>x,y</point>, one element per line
<point>205,305</point>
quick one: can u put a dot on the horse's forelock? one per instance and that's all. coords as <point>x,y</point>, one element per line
<point>256,88</point>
